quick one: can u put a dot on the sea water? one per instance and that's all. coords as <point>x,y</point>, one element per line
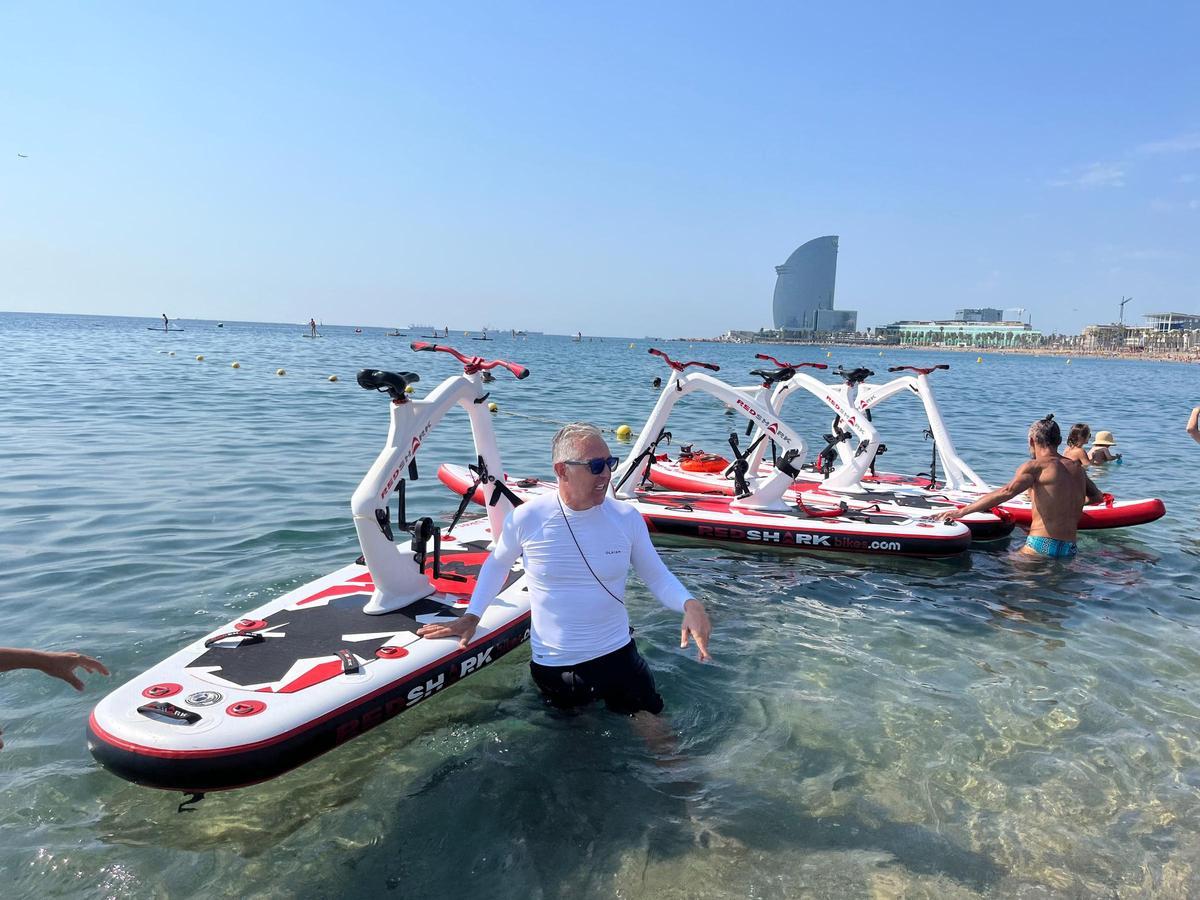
<point>867,727</point>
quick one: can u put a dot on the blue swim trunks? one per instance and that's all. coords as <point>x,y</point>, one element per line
<point>1051,547</point>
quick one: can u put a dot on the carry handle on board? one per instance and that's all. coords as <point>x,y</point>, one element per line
<point>471,364</point>
<point>680,366</point>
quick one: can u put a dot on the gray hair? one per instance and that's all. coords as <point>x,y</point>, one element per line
<point>1045,432</point>
<point>569,437</point>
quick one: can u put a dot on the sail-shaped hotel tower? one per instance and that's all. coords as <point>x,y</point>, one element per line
<point>804,290</point>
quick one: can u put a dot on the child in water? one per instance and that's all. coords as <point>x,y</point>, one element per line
<point>1100,452</point>
<point>1076,439</point>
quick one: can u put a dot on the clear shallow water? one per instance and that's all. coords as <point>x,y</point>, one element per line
<point>868,728</point>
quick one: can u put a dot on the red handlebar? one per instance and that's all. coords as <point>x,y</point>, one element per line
<point>917,369</point>
<point>784,365</point>
<point>679,367</point>
<point>472,364</point>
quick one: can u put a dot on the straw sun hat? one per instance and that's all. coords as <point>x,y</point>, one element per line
<point>1103,439</point>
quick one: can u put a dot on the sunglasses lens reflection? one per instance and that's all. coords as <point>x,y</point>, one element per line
<point>597,466</point>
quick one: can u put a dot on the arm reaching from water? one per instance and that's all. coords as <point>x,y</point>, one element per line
<point>1023,480</point>
<point>56,665</point>
<point>1193,426</point>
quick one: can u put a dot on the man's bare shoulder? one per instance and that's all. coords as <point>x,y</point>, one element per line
<point>1073,466</point>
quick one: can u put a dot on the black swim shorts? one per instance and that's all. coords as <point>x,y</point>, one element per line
<point>621,679</point>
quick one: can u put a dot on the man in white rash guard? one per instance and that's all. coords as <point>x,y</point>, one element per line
<point>578,544</point>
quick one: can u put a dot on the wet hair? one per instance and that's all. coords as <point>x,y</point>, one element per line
<point>569,437</point>
<point>1078,435</point>
<point>1045,432</point>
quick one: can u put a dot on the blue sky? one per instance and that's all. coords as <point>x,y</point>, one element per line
<point>611,168</point>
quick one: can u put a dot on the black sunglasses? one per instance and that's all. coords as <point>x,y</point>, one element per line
<point>595,466</point>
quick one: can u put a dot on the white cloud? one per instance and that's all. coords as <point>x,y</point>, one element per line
<point>1185,143</point>
<point>1090,177</point>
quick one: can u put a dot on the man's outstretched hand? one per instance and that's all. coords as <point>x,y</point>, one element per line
<point>947,515</point>
<point>695,624</point>
<point>462,628</point>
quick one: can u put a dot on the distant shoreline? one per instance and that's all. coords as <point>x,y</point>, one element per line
<point>1182,356</point>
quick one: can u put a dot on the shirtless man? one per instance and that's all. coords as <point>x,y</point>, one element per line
<point>1058,488</point>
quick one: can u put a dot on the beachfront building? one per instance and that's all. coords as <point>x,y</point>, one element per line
<point>1114,336</point>
<point>1168,332</point>
<point>804,291</point>
<point>962,333</point>
<point>982,314</point>
<point>1172,321</point>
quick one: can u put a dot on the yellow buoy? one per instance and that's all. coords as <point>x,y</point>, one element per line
<point>199,357</point>
<point>829,353</point>
<point>281,371</point>
<point>881,353</point>
<point>408,389</point>
<point>235,365</point>
<point>624,431</point>
<point>1068,362</point>
<point>492,407</point>
<point>631,346</point>
<point>979,359</point>
<point>333,378</point>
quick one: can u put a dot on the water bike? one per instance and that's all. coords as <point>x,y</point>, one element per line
<point>852,403</point>
<point>760,515</point>
<point>841,473</point>
<point>323,663</point>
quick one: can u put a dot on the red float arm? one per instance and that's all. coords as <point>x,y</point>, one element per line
<point>680,366</point>
<point>472,364</point>
<point>917,369</point>
<point>784,365</point>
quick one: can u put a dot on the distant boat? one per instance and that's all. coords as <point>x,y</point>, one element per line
<point>396,334</point>
<point>578,337</point>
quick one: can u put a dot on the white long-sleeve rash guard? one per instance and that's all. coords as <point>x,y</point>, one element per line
<point>573,618</point>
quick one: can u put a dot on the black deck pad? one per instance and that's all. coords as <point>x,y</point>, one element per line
<point>313,632</point>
